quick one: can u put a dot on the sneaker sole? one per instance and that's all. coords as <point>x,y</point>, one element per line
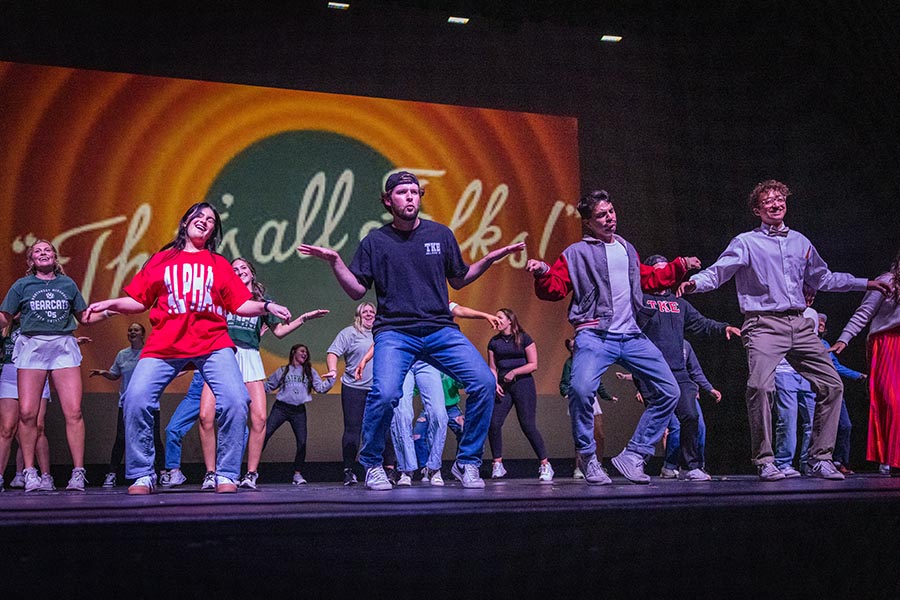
<point>617,464</point>
<point>226,488</point>
<point>139,490</point>
<point>380,487</point>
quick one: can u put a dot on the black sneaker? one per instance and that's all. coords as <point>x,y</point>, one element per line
<point>349,477</point>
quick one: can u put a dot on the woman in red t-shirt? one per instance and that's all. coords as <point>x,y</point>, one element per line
<point>188,288</point>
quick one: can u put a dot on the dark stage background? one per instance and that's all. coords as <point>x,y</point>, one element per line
<point>678,121</point>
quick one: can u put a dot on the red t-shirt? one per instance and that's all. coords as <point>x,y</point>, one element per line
<point>188,294</point>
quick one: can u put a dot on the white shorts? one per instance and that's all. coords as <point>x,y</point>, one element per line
<point>9,385</point>
<point>46,352</point>
<point>251,364</point>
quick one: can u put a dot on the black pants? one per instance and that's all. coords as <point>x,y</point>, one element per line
<point>296,416</point>
<point>353,402</point>
<point>520,393</point>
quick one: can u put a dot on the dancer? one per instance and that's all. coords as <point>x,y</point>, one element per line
<point>565,387</point>
<point>50,307</point>
<point>512,357</point>
<point>669,317</point>
<point>881,313</point>
<point>842,442</point>
<point>424,444</point>
<point>605,277</point>
<point>352,343</point>
<point>246,332</point>
<point>122,367</point>
<point>187,288</point>
<point>771,264</point>
<point>186,414</point>
<point>294,384</point>
<point>409,262</point>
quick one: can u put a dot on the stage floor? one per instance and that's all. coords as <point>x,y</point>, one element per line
<point>734,537</point>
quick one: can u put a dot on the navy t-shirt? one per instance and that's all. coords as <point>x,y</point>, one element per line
<point>508,355</point>
<point>409,270</point>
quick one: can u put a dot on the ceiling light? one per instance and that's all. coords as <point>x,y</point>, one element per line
<point>611,38</point>
<point>338,5</point>
<point>458,20</point>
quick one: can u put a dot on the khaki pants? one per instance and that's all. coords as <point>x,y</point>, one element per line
<point>769,338</point>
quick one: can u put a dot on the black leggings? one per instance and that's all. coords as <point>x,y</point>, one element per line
<point>296,415</point>
<point>522,394</point>
<point>353,401</point>
<point>118,449</point>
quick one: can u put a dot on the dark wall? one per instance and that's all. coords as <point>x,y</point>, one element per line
<point>699,102</point>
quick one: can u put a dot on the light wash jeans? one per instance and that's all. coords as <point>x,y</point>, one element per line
<point>431,390</point>
<point>794,400</point>
<point>673,441</point>
<point>420,432</point>
<point>150,378</point>
<point>451,352</point>
<point>595,351</point>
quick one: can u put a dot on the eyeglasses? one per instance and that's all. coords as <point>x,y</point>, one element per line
<point>767,202</point>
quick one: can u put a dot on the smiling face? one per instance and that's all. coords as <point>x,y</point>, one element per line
<point>243,271</point>
<point>367,316</point>
<point>200,227</point>
<point>300,356</point>
<point>771,207</point>
<point>135,333</point>
<point>41,258</point>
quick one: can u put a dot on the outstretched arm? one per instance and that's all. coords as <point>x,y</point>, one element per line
<point>106,374</point>
<point>255,308</point>
<point>125,305</point>
<point>478,268</point>
<point>345,278</point>
<point>282,329</point>
<point>464,312</point>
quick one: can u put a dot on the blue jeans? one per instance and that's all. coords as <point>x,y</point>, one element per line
<point>595,351</point>
<point>420,432</point>
<point>448,350</point>
<point>673,440</point>
<point>186,414</point>
<point>431,390</point>
<point>150,378</point>
<point>842,442</point>
<point>794,400</point>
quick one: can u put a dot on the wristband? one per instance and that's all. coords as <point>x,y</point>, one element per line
<point>266,305</point>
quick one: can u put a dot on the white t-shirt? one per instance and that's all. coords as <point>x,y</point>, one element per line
<point>620,287</point>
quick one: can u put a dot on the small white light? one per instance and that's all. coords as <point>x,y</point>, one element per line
<point>458,20</point>
<point>338,5</point>
<point>611,38</point>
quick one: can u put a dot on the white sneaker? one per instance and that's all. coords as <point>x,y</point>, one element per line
<point>404,480</point>
<point>545,473</point>
<point>426,474</point>
<point>173,477</point>
<point>436,478</point>
<point>497,470</point>
<point>577,473</point>
<point>209,482</point>
<point>377,479</point>
<point>110,481</point>
<point>77,480</point>
<point>298,479</point>
<point>468,475</point>
<point>883,469</point>
<point>143,486</point>
<point>19,480</point>
<point>667,473</point>
<point>695,475</point>
<point>47,484</point>
<point>225,485</point>
<point>32,480</point>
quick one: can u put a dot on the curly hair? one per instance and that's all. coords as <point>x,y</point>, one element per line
<point>763,187</point>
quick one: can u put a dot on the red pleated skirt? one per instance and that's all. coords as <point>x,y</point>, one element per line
<point>884,398</point>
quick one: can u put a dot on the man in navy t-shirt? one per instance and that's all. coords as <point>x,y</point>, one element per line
<point>409,262</point>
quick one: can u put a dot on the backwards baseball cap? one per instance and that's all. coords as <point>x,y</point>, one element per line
<point>398,178</point>
<point>654,259</point>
